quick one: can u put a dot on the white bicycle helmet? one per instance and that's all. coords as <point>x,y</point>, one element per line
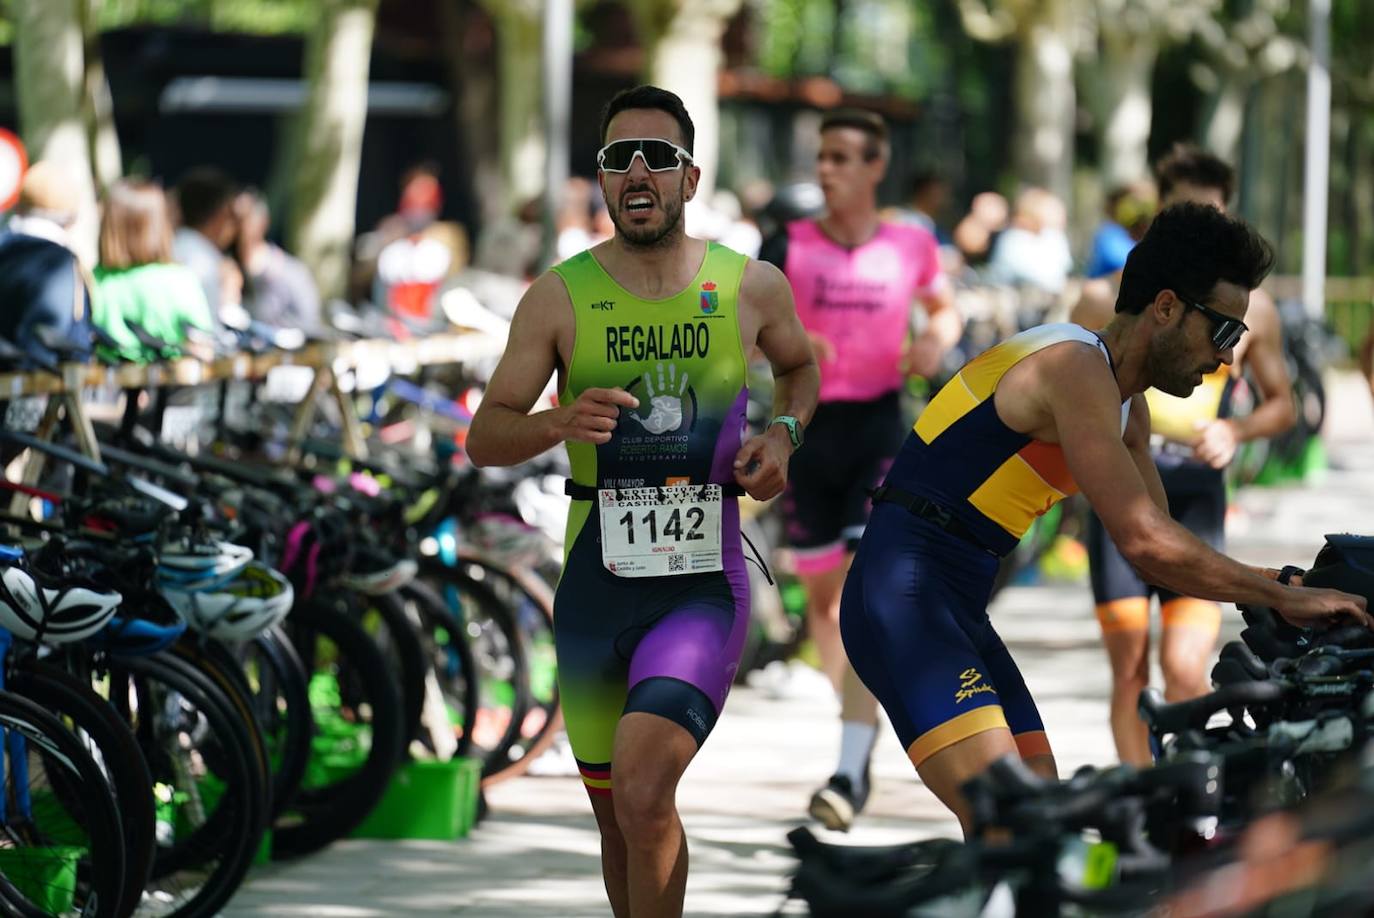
<point>250,602</point>
<point>194,564</point>
<point>375,572</point>
<point>36,606</point>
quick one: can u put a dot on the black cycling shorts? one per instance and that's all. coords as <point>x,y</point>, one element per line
<point>849,447</point>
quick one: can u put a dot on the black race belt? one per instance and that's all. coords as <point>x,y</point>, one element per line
<point>929,511</point>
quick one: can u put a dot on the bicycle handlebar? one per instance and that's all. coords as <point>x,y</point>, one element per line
<point>1163,718</point>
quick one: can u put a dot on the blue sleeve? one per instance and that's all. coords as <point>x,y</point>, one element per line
<point>1111,245</point>
<point>60,301</point>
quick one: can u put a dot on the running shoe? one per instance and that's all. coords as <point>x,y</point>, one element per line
<point>836,804</point>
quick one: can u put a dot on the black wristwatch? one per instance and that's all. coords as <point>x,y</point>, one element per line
<point>1288,572</point>
<point>794,429</point>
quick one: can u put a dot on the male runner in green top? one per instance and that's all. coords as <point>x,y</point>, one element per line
<point>648,333</point>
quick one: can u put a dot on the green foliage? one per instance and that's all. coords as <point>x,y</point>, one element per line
<point>262,17</point>
<point>881,47</point>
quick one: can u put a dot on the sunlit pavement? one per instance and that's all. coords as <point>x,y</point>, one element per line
<point>537,853</point>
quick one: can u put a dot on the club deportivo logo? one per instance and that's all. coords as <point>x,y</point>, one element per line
<point>710,302</point>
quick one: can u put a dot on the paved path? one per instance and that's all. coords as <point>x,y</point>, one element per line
<point>537,854</point>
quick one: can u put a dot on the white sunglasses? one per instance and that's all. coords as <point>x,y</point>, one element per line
<point>659,155</point>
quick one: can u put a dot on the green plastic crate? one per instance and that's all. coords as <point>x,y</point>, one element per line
<point>46,876</point>
<point>433,800</point>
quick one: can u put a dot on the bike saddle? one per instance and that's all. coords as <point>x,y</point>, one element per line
<point>128,515</point>
<point>868,859</point>
<point>157,347</point>
<point>108,349</point>
<point>844,881</point>
<point>15,360</point>
<point>67,350</point>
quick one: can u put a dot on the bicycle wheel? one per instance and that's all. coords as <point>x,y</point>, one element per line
<point>501,662</point>
<point>211,794</point>
<point>358,732</point>
<point>41,825</point>
<point>385,620</point>
<point>451,665</point>
<point>215,661</point>
<point>114,749</point>
<point>280,697</point>
<point>523,615</point>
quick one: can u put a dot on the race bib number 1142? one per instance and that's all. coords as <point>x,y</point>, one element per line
<point>660,532</point>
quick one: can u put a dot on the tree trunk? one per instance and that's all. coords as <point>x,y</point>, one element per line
<point>330,138</point>
<point>519,62</point>
<point>1045,101</point>
<point>106,160</point>
<point>1224,116</point>
<point>682,40</point>
<point>48,77</point>
<point>1124,72</point>
<point>473,88</point>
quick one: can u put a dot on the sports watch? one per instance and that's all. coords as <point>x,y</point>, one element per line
<point>794,429</point>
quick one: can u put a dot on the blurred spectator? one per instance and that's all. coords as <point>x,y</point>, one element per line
<point>985,221</point>
<point>412,252</point>
<point>574,222</point>
<point>137,280</point>
<point>278,288</point>
<point>1034,250</point>
<point>603,227</point>
<point>205,203</point>
<point>42,283</point>
<point>510,245</point>
<point>721,219</point>
<point>929,198</point>
<point>1128,214</point>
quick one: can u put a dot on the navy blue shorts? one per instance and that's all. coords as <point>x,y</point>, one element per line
<point>915,625</point>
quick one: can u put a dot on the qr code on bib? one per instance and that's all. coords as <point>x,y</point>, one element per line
<point>677,563</point>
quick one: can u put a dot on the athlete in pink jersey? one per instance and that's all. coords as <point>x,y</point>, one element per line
<point>856,280</point>
<point>857,300</point>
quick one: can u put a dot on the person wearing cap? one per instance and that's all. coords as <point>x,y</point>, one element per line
<point>42,284</point>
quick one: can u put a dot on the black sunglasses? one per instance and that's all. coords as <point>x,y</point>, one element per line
<point>1226,330</point>
<point>659,155</point>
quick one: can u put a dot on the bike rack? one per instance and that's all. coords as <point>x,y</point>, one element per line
<point>331,361</point>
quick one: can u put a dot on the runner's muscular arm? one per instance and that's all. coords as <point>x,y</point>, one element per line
<point>946,321</point>
<point>503,432</point>
<point>942,332</point>
<point>761,463</point>
<point>1084,403</point>
<point>1217,443</point>
<point>1264,360</point>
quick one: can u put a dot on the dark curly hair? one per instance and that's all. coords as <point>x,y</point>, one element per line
<point>650,97</point>
<point>1188,164</point>
<point>1189,248</point>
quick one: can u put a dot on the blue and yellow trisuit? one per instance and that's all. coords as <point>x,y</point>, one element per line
<point>960,494</point>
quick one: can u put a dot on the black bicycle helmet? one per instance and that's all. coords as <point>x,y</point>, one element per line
<point>1346,563</point>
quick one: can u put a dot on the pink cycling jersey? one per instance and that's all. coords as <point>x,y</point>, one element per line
<point>860,299</point>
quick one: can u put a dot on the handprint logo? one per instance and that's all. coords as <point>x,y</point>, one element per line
<point>666,400</point>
